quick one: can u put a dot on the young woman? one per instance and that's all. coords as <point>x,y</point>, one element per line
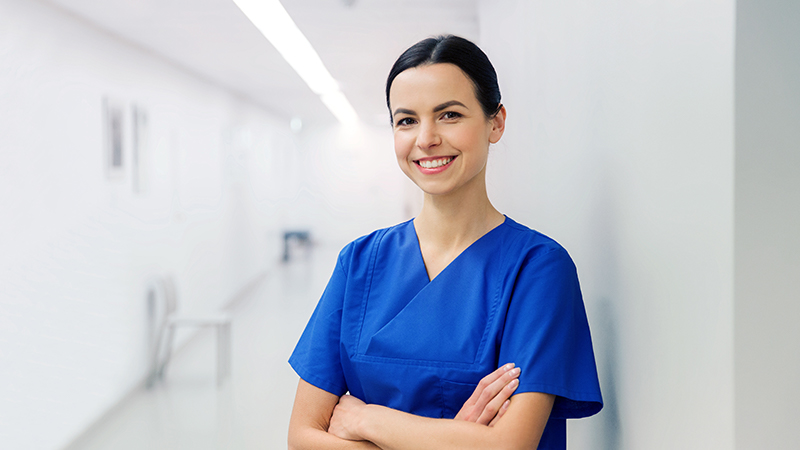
<point>423,323</point>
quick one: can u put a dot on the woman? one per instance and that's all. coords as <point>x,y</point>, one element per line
<point>416,315</point>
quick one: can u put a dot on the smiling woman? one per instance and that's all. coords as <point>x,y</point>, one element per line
<point>460,328</point>
<point>441,133</point>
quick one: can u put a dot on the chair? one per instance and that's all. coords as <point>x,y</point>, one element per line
<point>302,237</point>
<point>172,320</point>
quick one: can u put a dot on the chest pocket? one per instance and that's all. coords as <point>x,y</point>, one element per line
<point>446,322</point>
<point>454,395</point>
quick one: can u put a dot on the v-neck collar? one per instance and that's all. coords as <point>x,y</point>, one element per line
<point>421,259</point>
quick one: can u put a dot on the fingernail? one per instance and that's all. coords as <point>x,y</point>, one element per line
<point>505,404</point>
<point>508,367</point>
<point>514,383</point>
<point>516,371</point>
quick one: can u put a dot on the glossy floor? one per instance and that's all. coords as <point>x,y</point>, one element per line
<point>250,410</point>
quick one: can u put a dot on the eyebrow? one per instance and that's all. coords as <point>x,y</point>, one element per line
<point>446,105</point>
<point>438,108</point>
<point>404,111</point>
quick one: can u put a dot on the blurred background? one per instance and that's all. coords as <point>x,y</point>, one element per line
<point>657,141</point>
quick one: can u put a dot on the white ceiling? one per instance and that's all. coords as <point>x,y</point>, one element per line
<point>213,39</point>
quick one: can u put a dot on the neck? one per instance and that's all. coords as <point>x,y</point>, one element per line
<point>457,219</point>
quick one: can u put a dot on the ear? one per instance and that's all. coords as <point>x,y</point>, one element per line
<point>498,125</point>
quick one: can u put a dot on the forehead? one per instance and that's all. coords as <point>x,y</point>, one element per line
<point>431,84</point>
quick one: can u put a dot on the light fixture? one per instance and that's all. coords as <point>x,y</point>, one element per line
<point>340,107</point>
<point>277,26</point>
<point>296,124</point>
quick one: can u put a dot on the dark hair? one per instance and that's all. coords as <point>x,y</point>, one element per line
<point>458,51</point>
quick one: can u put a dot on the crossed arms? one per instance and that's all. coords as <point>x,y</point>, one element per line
<point>490,419</point>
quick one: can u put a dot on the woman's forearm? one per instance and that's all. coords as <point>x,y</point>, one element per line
<point>395,430</point>
<point>315,439</point>
<point>520,428</point>
<point>310,420</point>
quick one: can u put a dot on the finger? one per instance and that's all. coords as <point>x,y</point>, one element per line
<point>486,389</point>
<point>489,379</point>
<point>469,411</point>
<point>495,405</point>
<point>495,388</point>
<point>500,413</point>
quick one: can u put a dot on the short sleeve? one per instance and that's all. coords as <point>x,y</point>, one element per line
<point>547,335</point>
<point>316,358</point>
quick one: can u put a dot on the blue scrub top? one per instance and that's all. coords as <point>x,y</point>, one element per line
<point>390,336</point>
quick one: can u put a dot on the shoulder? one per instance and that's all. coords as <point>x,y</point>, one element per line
<point>525,245</point>
<point>367,247</point>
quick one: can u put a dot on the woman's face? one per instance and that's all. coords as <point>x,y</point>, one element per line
<point>441,135</point>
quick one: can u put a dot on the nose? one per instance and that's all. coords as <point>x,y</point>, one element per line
<point>428,136</point>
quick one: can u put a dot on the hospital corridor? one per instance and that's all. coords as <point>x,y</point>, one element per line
<point>188,408</point>
<point>192,192</point>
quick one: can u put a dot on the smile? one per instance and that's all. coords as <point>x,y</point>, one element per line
<point>434,163</point>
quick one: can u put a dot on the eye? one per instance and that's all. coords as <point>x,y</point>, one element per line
<point>451,115</point>
<point>405,121</point>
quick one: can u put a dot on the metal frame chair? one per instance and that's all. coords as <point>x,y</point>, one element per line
<point>172,320</point>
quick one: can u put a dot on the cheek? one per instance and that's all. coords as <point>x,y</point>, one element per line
<point>470,139</point>
<point>401,147</point>
<point>402,150</point>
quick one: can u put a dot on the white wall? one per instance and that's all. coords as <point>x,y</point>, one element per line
<point>78,248</point>
<point>352,184</point>
<point>767,223</point>
<point>619,145</point>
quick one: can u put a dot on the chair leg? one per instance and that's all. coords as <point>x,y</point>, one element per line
<point>155,353</point>
<point>168,351</point>
<point>223,352</point>
<point>229,349</point>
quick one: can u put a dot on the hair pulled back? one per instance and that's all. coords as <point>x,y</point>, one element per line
<point>457,51</point>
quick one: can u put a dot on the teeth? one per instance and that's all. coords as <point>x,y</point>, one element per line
<point>432,164</point>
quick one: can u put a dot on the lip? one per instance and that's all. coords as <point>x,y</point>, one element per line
<point>434,170</point>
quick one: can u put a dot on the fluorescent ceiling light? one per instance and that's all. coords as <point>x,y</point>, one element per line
<point>277,26</point>
<point>340,107</point>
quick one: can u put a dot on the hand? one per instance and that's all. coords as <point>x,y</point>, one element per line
<point>490,400</point>
<point>345,417</point>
